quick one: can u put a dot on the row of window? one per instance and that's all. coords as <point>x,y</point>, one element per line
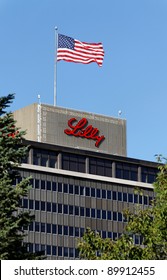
<point>54,250</point>
<point>91,192</point>
<point>97,166</point>
<point>73,252</point>
<point>72,210</point>
<point>66,230</point>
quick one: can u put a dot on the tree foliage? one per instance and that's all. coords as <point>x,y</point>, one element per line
<point>12,217</point>
<point>150,224</point>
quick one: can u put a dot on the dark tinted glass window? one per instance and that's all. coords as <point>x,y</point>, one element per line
<point>76,189</point>
<point>59,251</point>
<point>54,185</point>
<point>60,187</point>
<point>101,167</point>
<point>73,162</point>
<point>44,158</point>
<point>98,193</point>
<point>71,189</point>
<point>42,184</point>
<point>43,205</point>
<point>93,213</point>
<point>65,207</point>
<point>126,171</point>
<point>48,185</point>
<point>54,250</point>
<point>54,228</point>
<point>93,194</point>
<point>65,188</point>
<point>65,230</point>
<point>48,206</point>
<point>48,228</point>
<point>130,197</point>
<point>53,207</point>
<point>125,197</point>
<point>87,212</point>
<point>37,205</point>
<point>148,174</point>
<point>60,229</point>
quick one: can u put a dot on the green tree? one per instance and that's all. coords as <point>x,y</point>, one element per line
<point>12,217</point>
<point>150,224</point>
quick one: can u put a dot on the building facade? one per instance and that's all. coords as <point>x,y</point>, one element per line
<point>81,177</point>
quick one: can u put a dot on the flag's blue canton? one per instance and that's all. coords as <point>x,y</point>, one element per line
<point>65,42</point>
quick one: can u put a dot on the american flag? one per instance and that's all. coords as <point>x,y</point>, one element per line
<point>73,50</point>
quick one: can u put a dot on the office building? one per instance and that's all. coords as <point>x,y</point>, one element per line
<point>81,177</point>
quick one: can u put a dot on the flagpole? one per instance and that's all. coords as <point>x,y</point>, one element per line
<point>55,67</point>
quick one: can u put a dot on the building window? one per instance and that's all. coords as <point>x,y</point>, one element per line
<point>65,230</point>
<point>71,189</point>
<point>108,194</point>
<point>42,185</point>
<point>114,216</point>
<point>31,204</point>
<point>71,209</point>
<point>53,207</point>
<point>114,195</point>
<point>44,158</point>
<point>73,162</point>
<point>77,210</point>
<point>54,186</point>
<point>126,171</point>
<point>60,187</point>
<point>42,227</point>
<point>60,229</point>
<point>37,226</point>
<point>87,191</point>
<point>48,250</point>
<point>48,185</point>
<point>148,175</point>
<point>59,208</point>
<point>60,251</point>
<point>101,167</point>
<point>54,229</point>
<point>65,252</point>
<point>76,189</point>
<point>65,208</point>
<point>71,231</point>
<point>98,214</point>
<point>71,252</point>
<point>54,250</point>
<point>93,193</point>
<point>48,206</point>
<point>125,197</point>
<point>48,228</point>
<point>36,205</point>
<point>104,214</point>
<point>119,196</point>
<point>36,184</point>
<point>82,211</point>
<point>43,206</point>
<point>93,213</point>
<point>88,212</point>
<point>109,217</point>
<point>25,202</point>
<point>82,190</point>
<point>130,197</point>
<point>65,188</point>
<point>76,231</point>
<point>98,193</point>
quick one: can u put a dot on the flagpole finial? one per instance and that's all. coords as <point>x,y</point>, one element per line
<point>56,28</point>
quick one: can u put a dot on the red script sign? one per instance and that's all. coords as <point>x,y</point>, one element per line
<point>80,129</point>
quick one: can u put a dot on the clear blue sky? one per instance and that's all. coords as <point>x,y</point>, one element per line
<point>133,77</point>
